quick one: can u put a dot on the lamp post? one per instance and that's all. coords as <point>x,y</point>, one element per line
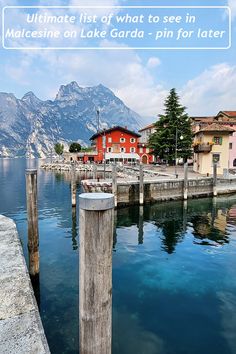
<point>104,151</point>
<point>176,149</point>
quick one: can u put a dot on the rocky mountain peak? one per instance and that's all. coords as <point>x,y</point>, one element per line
<point>30,98</point>
<point>31,127</point>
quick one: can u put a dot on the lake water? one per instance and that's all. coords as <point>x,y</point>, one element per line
<point>174,269</point>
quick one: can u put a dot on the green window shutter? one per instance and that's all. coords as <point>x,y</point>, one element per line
<point>221,140</point>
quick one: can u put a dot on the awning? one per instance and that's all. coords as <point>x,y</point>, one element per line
<point>122,155</point>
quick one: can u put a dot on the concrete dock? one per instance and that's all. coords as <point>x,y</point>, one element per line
<point>21,330</point>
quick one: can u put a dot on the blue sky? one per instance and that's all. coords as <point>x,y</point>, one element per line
<point>205,79</point>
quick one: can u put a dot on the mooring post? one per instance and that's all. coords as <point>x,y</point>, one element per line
<point>141,187</point>
<point>32,216</point>
<point>95,272</point>
<point>73,186</point>
<point>185,213</point>
<point>94,171</point>
<point>114,183</point>
<point>186,181</point>
<point>140,226</point>
<point>215,179</point>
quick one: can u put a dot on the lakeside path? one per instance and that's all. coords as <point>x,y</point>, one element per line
<point>21,329</point>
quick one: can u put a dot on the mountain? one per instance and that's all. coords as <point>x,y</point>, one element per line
<point>31,127</point>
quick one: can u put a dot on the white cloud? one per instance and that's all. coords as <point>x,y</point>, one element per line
<point>123,72</point>
<point>211,91</point>
<point>153,62</point>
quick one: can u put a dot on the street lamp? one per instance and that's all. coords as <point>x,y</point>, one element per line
<point>176,150</point>
<point>104,150</point>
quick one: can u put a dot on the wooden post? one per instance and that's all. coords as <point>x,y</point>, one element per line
<point>32,215</point>
<point>215,179</point>
<point>73,186</point>
<point>140,226</point>
<point>114,183</point>
<point>185,213</point>
<point>94,171</point>
<point>95,272</point>
<point>141,186</point>
<point>186,181</point>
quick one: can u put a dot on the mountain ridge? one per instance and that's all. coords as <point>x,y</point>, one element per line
<point>30,126</point>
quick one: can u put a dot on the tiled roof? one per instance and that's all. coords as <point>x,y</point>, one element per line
<point>122,129</point>
<point>203,119</point>
<point>215,127</point>
<point>150,126</point>
<point>231,114</point>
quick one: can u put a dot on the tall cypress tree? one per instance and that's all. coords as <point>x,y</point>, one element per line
<point>175,122</point>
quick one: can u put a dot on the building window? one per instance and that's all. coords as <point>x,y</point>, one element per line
<point>234,163</point>
<point>216,158</point>
<point>132,149</point>
<point>230,146</point>
<point>217,140</point>
<point>122,140</point>
<point>109,140</point>
<point>141,150</point>
<point>122,149</point>
<point>109,149</point>
<point>147,150</point>
<point>132,140</point>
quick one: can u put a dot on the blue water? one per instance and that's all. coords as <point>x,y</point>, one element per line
<point>174,269</point>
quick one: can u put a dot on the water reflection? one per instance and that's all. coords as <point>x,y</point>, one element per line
<point>174,284</point>
<point>174,220</point>
<point>74,231</point>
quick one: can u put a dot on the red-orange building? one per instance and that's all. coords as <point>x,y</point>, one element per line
<point>116,144</point>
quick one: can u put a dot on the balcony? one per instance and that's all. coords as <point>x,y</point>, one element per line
<point>202,148</point>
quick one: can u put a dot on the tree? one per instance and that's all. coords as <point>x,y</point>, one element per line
<point>75,147</point>
<point>173,129</point>
<point>59,148</point>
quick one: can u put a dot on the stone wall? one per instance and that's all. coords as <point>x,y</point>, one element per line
<point>21,330</point>
<point>160,190</point>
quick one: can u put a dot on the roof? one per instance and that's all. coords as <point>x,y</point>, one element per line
<point>230,114</point>
<point>208,119</point>
<point>122,129</point>
<point>215,127</point>
<point>150,126</point>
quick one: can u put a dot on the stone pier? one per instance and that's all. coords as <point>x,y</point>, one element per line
<point>21,330</point>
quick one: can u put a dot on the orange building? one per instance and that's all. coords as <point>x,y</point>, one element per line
<point>116,144</point>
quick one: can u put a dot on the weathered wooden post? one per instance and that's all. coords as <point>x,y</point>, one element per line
<point>94,171</point>
<point>185,213</point>
<point>186,181</point>
<point>95,272</point>
<point>73,186</point>
<point>140,226</point>
<point>32,215</point>
<point>141,186</point>
<point>215,179</point>
<point>114,183</point>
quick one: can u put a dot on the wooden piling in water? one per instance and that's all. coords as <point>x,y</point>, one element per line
<point>32,216</point>
<point>114,183</point>
<point>140,226</point>
<point>73,186</point>
<point>215,179</point>
<point>141,185</point>
<point>94,171</point>
<point>186,181</point>
<point>95,272</point>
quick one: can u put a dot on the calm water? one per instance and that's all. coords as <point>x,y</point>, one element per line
<point>174,269</point>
